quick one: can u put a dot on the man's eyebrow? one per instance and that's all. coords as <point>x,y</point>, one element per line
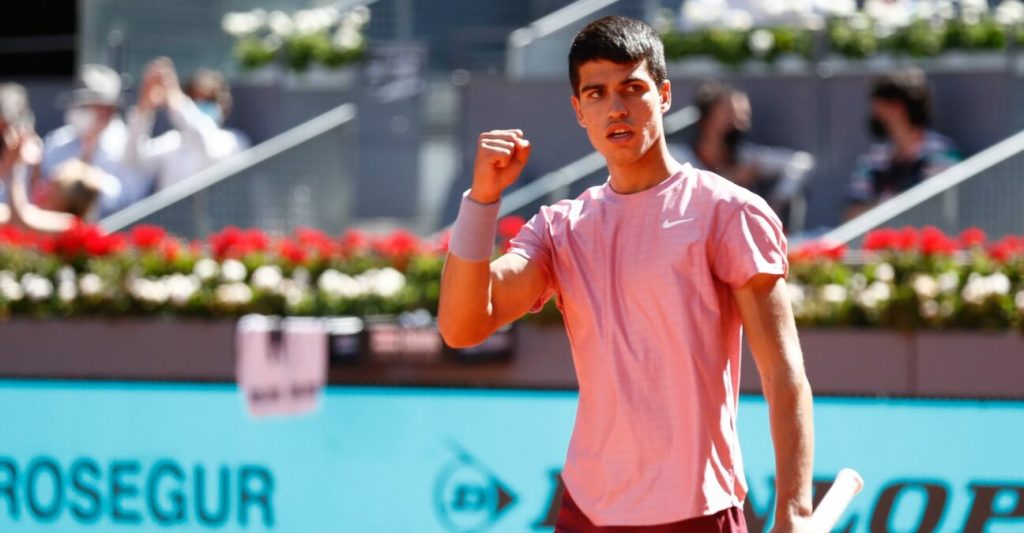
<point>591,87</point>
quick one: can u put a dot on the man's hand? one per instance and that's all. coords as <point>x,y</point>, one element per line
<point>793,524</point>
<point>152,94</point>
<point>500,158</point>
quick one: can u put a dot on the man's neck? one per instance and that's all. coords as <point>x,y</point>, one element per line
<point>651,169</point>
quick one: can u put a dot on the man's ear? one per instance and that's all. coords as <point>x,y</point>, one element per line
<point>575,100</point>
<point>665,94</point>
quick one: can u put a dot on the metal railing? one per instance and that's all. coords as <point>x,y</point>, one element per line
<point>985,191</point>
<point>305,176</point>
<point>540,49</point>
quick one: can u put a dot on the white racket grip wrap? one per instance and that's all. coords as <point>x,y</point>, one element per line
<point>847,484</point>
<point>473,232</point>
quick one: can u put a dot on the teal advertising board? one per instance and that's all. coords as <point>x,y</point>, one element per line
<point>87,457</point>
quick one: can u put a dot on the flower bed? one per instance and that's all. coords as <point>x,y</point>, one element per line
<point>924,29</point>
<point>911,279</point>
<point>906,279</point>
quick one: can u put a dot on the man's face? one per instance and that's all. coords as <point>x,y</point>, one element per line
<point>621,106</point>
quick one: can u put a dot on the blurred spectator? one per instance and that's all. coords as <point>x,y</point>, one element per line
<point>94,133</point>
<point>776,174</point>
<point>910,152</point>
<point>198,139</point>
<point>72,194</point>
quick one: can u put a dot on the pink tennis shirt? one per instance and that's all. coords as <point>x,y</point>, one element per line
<point>644,283</point>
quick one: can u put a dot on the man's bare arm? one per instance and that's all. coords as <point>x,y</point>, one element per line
<point>478,297</point>
<point>771,332</point>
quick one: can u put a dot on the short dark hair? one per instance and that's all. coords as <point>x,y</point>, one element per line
<point>910,88</point>
<point>619,40</point>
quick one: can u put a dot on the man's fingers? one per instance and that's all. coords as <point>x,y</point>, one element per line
<point>522,153</point>
<point>504,135</point>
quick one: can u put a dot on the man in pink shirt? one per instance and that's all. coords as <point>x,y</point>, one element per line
<point>655,272</point>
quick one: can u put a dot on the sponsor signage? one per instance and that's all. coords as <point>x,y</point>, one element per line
<point>94,456</point>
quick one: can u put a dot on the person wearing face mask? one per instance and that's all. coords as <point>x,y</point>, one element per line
<point>197,138</point>
<point>908,151</point>
<point>95,134</point>
<point>720,145</point>
<point>72,193</point>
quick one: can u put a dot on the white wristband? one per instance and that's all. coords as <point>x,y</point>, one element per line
<point>473,232</point>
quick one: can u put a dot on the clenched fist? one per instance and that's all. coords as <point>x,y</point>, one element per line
<point>500,157</point>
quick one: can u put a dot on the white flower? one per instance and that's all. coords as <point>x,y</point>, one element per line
<point>148,291</point>
<point>293,292</point>
<point>737,19</point>
<point>241,24</point>
<point>885,272</point>
<point>1019,301</point>
<point>233,271</point>
<point>90,285</point>
<point>340,285</point>
<point>925,286</point>
<point>36,287</point>
<point>206,269</point>
<point>1010,12</point>
<point>311,20</point>
<point>10,289</point>
<point>980,288</point>
<point>998,284</point>
<point>348,38</point>
<point>267,278</point>
<point>945,10</point>
<point>949,281</point>
<point>858,282</point>
<point>887,14</point>
<point>833,293</point>
<point>761,42</point>
<point>836,8</point>
<point>875,294</point>
<point>360,15</point>
<point>702,13</point>
<point>280,24</point>
<point>180,288</point>
<point>860,22</point>
<point>66,273</point>
<point>67,291</point>
<point>234,294</point>
<point>386,282</point>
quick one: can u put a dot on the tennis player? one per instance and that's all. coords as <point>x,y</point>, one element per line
<point>654,272</point>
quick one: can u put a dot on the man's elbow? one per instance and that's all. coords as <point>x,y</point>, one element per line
<point>457,335</point>
<point>786,386</point>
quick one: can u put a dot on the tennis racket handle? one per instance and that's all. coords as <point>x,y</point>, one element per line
<point>847,484</point>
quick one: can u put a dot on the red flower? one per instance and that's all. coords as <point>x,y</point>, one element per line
<point>1007,248</point>
<point>972,237</point>
<point>400,243</point>
<point>353,242</point>
<point>907,239</point>
<point>310,238</point>
<point>881,239</point>
<point>170,249</point>
<point>225,242</point>
<point>818,250</point>
<point>442,242</point>
<point>508,227</point>
<point>291,251</point>
<point>935,242</point>
<point>147,237</point>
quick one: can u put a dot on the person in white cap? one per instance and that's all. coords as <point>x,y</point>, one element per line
<point>95,134</point>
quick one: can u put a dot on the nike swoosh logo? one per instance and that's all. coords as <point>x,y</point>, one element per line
<point>668,224</point>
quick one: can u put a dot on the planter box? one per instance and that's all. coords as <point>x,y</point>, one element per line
<point>839,362</point>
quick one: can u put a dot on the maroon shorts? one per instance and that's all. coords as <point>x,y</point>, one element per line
<point>572,520</point>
